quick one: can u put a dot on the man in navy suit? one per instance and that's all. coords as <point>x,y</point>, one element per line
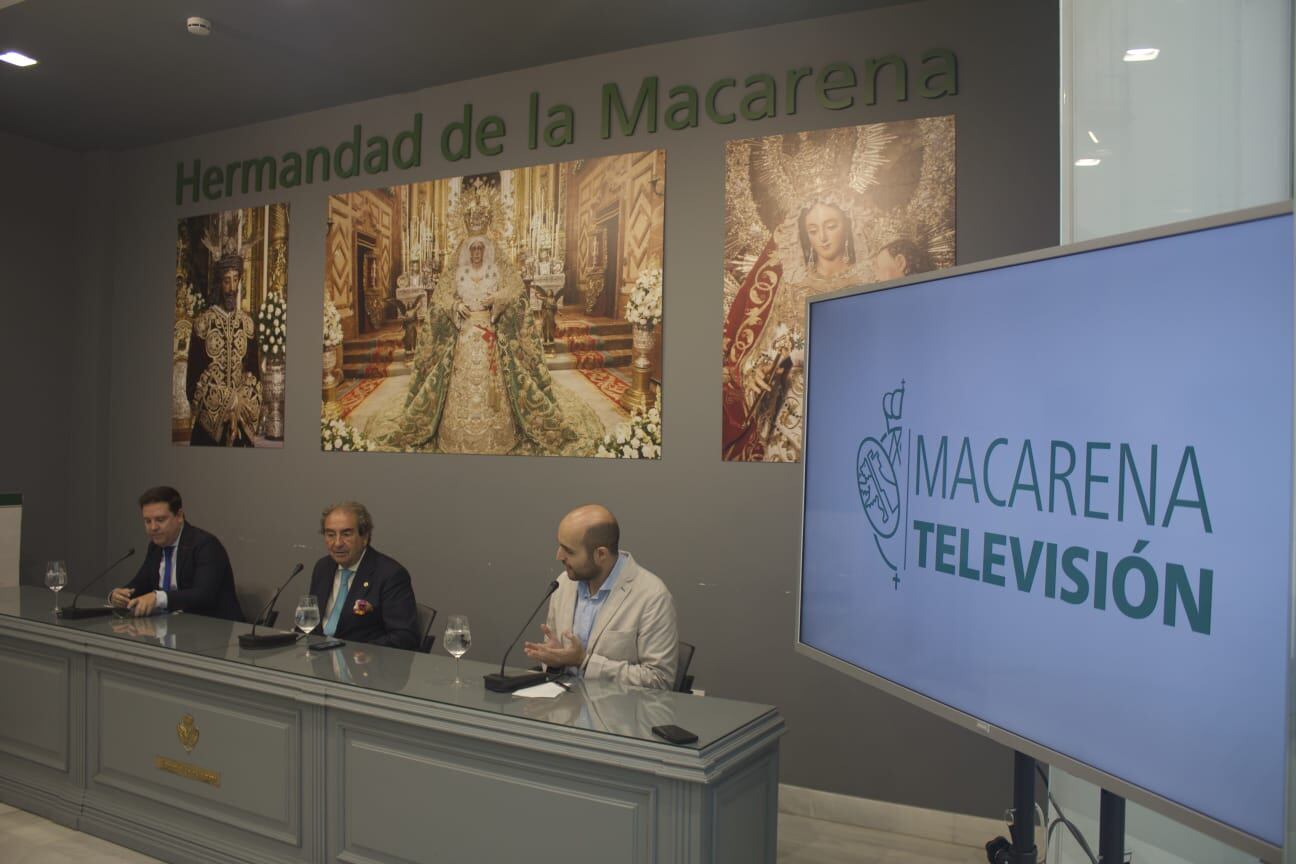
<point>364,596</point>
<point>186,569</point>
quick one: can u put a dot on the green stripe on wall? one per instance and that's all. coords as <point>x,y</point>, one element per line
<point>10,499</point>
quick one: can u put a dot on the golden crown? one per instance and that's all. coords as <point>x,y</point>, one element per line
<point>478,202</point>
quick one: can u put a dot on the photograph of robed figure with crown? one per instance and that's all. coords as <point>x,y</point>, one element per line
<point>516,312</point>
<point>807,213</point>
<point>229,340</point>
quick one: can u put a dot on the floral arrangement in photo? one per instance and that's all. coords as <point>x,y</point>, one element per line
<point>332,326</point>
<point>337,434</point>
<point>194,302</point>
<point>645,304</point>
<point>272,325</point>
<point>640,438</point>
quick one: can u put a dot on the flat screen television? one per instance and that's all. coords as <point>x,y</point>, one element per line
<point>1050,498</point>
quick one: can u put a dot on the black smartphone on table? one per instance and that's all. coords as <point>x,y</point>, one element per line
<point>674,734</point>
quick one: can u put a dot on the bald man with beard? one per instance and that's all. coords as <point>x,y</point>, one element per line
<point>610,619</point>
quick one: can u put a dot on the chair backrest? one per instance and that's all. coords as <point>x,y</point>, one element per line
<point>683,680</point>
<point>251,603</point>
<point>426,615</point>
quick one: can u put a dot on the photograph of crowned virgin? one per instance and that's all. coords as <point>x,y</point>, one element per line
<point>807,213</point>
<point>515,312</point>
<point>230,334</point>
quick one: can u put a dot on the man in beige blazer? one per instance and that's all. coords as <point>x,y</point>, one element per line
<point>617,619</point>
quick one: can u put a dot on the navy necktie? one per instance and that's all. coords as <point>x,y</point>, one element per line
<point>167,578</point>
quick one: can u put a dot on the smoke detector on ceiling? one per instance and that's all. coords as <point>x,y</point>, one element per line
<point>198,26</point>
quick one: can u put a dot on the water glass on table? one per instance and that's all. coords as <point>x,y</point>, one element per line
<point>307,616</point>
<point>458,637</point>
<point>56,579</point>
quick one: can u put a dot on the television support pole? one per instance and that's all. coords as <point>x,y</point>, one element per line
<point>1111,828</point>
<point>1023,824</point>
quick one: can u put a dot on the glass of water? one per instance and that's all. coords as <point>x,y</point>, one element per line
<point>457,639</point>
<point>307,616</point>
<point>55,579</point>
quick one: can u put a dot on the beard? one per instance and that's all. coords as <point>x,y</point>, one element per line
<point>584,575</point>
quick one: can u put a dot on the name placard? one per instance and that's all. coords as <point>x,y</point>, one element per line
<point>189,771</point>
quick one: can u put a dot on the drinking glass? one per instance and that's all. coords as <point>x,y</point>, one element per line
<point>55,579</point>
<point>457,639</point>
<point>307,616</point>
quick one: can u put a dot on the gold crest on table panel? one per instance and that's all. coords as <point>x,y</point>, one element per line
<point>188,733</point>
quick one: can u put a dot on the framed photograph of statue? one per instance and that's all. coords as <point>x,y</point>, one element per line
<point>807,213</point>
<point>230,335</point>
<point>517,312</point>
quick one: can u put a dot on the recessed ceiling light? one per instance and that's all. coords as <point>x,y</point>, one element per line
<point>16,59</point>
<point>1087,162</point>
<point>1141,55</point>
<point>1093,137</point>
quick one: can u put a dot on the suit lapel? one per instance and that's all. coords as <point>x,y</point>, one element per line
<point>359,585</point>
<point>565,615</point>
<point>320,586</point>
<point>153,566</point>
<point>184,557</point>
<point>610,606</point>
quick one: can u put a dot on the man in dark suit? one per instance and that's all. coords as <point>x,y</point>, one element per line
<point>186,569</point>
<point>363,595</point>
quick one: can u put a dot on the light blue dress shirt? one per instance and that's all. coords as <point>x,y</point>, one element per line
<point>588,606</point>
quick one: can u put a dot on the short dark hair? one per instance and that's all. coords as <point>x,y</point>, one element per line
<point>162,495</point>
<point>364,522</point>
<point>603,533</point>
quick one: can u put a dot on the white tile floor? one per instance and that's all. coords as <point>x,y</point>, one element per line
<point>28,839</point>
<point>811,841</point>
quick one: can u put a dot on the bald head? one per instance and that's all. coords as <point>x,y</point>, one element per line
<point>588,539</point>
<point>597,526</point>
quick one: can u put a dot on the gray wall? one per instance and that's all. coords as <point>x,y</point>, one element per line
<point>41,331</point>
<point>478,532</point>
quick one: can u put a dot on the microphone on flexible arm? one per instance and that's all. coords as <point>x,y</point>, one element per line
<point>72,613</point>
<point>278,638</point>
<point>502,683</point>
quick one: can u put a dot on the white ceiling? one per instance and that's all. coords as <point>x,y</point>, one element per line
<point>116,74</point>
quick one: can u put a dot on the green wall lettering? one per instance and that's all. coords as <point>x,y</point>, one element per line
<point>794,77</point>
<point>349,150</point>
<point>873,68</point>
<point>314,154</point>
<point>491,127</point>
<point>945,67</point>
<point>713,93</point>
<point>836,86</point>
<point>646,101</point>
<point>687,105</point>
<point>764,94</point>
<point>835,76</point>
<point>463,129</point>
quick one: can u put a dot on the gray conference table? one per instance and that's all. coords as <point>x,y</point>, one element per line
<point>163,735</point>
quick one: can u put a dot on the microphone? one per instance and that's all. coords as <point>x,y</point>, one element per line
<point>72,613</point>
<point>278,638</point>
<point>502,683</point>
